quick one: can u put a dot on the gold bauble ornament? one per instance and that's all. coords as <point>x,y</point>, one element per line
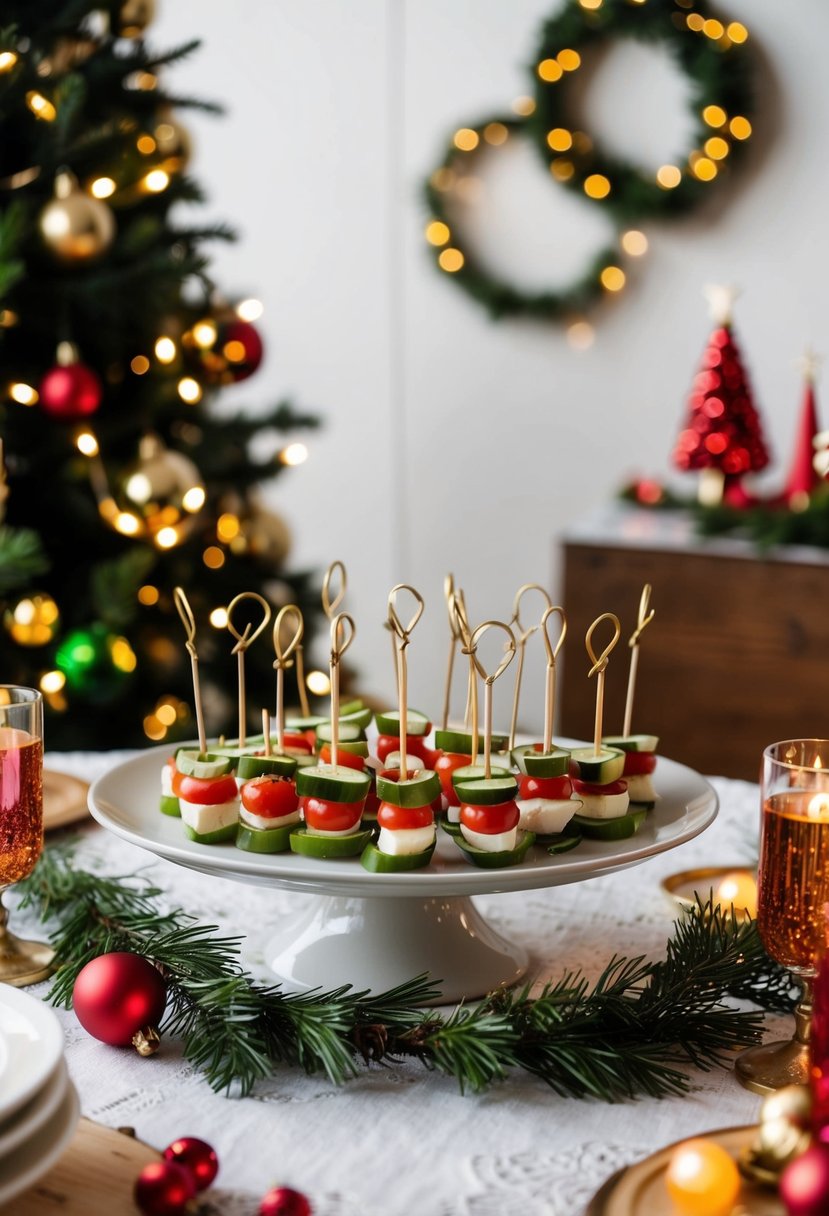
<point>266,537</point>
<point>161,489</point>
<point>75,226</point>
<point>173,144</point>
<point>132,18</point>
<point>66,54</point>
<point>33,620</point>
<point>784,1133</point>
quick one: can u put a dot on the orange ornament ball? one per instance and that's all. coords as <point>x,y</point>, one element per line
<point>702,1179</point>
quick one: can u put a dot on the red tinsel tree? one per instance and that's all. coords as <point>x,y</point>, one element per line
<point>803,476</point>
<point>722,435</point>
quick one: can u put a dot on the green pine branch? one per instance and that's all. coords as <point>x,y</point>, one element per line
<point>633,1032</point>
<point>22,557</point>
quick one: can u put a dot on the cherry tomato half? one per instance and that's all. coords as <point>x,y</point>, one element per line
<point>208,791</point>
<point>415,746</point>
<point>298,741</point>
<point>490,820</point>
<point>347,759</point>
<point>327,816</point>
<point>588,787</point>
<point>404,818</point>
<point>445,766</point>
<point>270,797</point>
<point>545,787</point>
<point>639,763</point>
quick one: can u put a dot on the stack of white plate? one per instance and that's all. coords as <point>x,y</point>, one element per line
<point>39,1108</point>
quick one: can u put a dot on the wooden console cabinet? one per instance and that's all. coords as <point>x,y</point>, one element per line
<point>737,655</point>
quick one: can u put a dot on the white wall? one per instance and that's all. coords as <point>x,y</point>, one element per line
<point>451,442</point>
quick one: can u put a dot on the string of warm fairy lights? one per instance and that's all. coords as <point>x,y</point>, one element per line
<point>710,52</point>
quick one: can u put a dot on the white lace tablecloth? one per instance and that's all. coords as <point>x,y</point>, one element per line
<point>403,1141</point>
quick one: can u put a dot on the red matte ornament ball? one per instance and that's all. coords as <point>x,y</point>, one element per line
<point>164,1189</point>
<point>804,1184</point>
<point>284,1201</point>
<point>194,1155</point>
<point>116,995</point>
<point>242,348</point>
<point>70,392</point>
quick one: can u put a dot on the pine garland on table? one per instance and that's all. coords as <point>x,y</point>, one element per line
<point>631,1033</point>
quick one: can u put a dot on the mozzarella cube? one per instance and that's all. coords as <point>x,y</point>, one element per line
<point>167,782</point>
<point>407,841</point>
<point>204,819</point>
<point>495,842</point>
<point>604,806</point>
<point>546,816</point>
<point>640,788</point>
<point>264,821</point>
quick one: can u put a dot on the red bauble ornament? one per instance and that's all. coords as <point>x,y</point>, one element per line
<point>804,1183</point>
<point>70,392</point>
<point>223,349</point>
<point>164,1189</point>
<point>117,996</point>
<point>242,347</point>
<point>284,1201</point>
<point>194,1155</point>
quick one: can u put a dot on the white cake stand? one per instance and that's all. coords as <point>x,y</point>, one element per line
<point>377,930</point>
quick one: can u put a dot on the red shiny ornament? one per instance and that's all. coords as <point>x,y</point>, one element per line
<point>194,1155</point>
<point>164,1189</point>
<point>804,1184</point>
<point>117,995</point>
<point>70,392</point>
<point>284,1201</point>
<point>242,347</point>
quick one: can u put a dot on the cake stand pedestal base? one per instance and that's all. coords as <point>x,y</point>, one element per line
<point>377,943</point>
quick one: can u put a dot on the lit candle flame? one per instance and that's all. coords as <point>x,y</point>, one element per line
<point>818,807</point>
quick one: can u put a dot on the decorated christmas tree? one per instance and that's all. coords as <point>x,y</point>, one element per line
<point>120,480</point>
<point>722,436</point>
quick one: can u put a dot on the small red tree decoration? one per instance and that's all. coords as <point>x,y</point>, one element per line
<point>803,476</point>
<point>722,436</point>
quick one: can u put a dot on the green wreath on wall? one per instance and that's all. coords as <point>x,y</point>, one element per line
<point>709,51</point>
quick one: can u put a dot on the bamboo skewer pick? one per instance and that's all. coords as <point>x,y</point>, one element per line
<point>302,691</point>
<point>523,636</point>
<point>340,642</point>
<point>598,669</point>
<point>392,638</point>
<point>489,680</point>
<point>401,635</point>
<point>645,617</point>
<point>283,661</point>
<point>189,622</point>
<point>266,731</point>
<point>464,634</point>
<point>243,641</point>
<point>550,678</point>
<point>454,638</point>
<point>329,605</point>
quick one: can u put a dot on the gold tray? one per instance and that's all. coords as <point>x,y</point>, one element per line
<point>64,799</point>
<point>640,1189</point>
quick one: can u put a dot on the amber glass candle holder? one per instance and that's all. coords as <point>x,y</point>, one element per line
<point>21,823</point>
<point>793,890</point>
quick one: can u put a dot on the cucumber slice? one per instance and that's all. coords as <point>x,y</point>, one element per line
<point>460,741</point>
<point>305,760</point>
<point>388,723</point>
<point>218,837</point>
<point>328,848</point>
<point>497,861</point>
<point>537,764</point>
<point>420,790</point>
<point>262,766</point>
<point>610,829</point>
<point>451,828</point>
<point>337,784</point>
<point>632,743</point>
<point>263,840</point>
<point>599,768</point>
<point>170,806</point>
<point>302,724</point>
<point>413,763</point>
<point>383,863</point>
<point>202,764</point>
<point>477,772</point>
<point>350,732</point>
<point>562,843</point>
<point>483,792</point>
<point>357,747</point>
